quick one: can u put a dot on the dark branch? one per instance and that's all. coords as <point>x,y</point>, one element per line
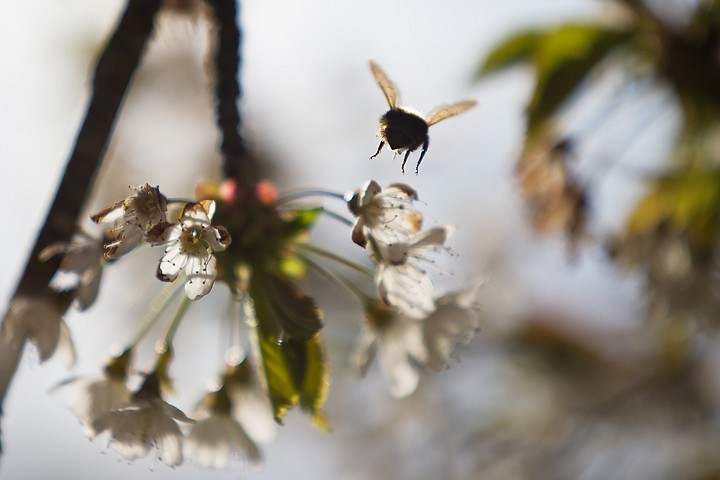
<point>238,163</point>
<point>113,72</point>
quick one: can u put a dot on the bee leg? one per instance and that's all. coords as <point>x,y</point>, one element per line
<point>422,154</point>
<point>405,160</point>
<point>382,143</point>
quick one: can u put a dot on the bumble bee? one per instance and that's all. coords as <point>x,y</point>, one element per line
<point>404,130</point>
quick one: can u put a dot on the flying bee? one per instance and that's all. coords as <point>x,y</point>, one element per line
<point>404,130</point>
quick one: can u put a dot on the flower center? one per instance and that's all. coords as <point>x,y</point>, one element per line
<point>192,242</point>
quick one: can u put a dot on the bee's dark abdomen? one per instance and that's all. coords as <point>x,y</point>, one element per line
<point>403,130</point>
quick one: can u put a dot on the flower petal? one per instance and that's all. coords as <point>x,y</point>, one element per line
<point>168,440</point>
<point>171,263</point>
<point>406,288</point>
<point>200,271</point>
<point>455,321</point>
<point>403,375</point>
<point>195,214</point>
<point>87,291</point>
<point>432,237</point>
<point>91,398</point>
<point>129,431</point>
<point>212,442</point>
<point>251,408</point>
<point>364,350</point>
<point>369,192</point>
<point>36,320</point>
<point>217,238</point>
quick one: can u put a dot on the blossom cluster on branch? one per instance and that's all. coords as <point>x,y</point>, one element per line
<point>257,243</point>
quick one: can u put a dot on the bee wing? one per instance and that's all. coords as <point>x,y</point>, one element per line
<point>386,85</point>
<point>444,111</point>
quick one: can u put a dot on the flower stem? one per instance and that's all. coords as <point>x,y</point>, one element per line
<point>337,258</point>
<point>334,277</point>
<point>337,217</point>
<point>175,323</point>
<point>288,197</point>
<point>179,200</point>
<point>152,314</point>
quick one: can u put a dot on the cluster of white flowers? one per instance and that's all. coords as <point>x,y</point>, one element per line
<point>408,324</point>
<point>141,217</point>
<point>140,420</point>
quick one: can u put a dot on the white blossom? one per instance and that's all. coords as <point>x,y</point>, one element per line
<point>251,408</point>
<point>89,398</point>
<point>131,219</point>
<point>213,442</point>
<point>83,261</point>
<point>387,215</point>
<point>190,245</point>
<point>401,278</point>
<point>39,321</point>
<point>145,422</point>
<point>455,320</point>
<point>404,344</point>
<point>398,342</point>
<point>217,437</point>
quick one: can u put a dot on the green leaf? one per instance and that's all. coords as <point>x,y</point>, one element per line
<point>295,371</point>
<point>292,266</point>
<point>278,377</point>
<point>286,310</point>
<point>515,49</point>
<point>302,220</point>
<point>286,324</point>
<point>563,59</point>
<point>688,200</point>
<point>316,382</point>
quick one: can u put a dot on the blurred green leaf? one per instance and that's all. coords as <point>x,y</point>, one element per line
<point>688,200</point>
<point>302,220</point>
<point>563,59</point>
<point>293,266</point>
<point>510,51</point>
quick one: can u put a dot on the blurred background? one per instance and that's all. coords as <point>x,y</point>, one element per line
<point>585,367</point>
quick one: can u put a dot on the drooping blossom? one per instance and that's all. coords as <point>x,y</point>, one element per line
<point>143,423</point>
<point>131,219</point>
<point>397,341</point>
<point>250,403</point>
<point>83,261</point>
<point>90,398</point>
<point>386,214</point>
<point>216,438</point>
<point>401,278</point>
<point>455,320</point>
<point>39,321</point>
<point>404,344</point>
<point>190,245</point>
<point>555,197</point>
